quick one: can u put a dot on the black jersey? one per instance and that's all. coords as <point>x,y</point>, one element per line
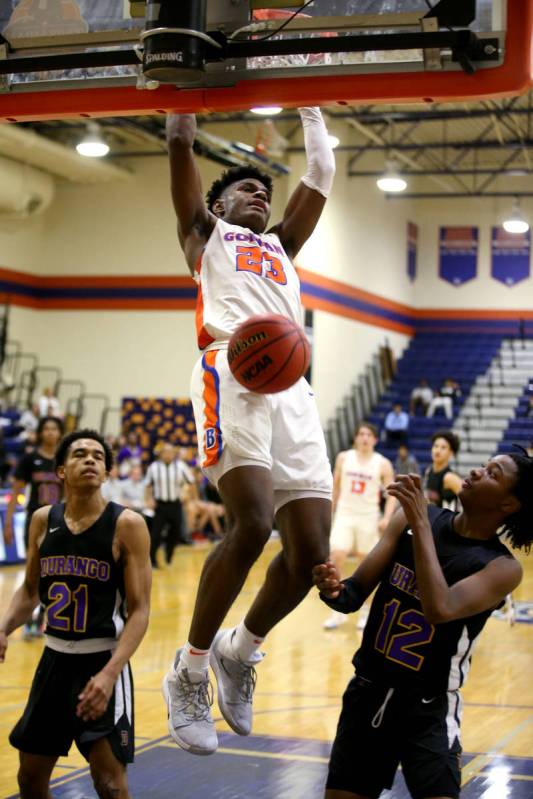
<point>400,647</point>
<point>81,585</point>
<point>45,486</point>
<point>435,492</point>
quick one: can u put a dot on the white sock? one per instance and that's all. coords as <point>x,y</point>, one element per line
<point>241,644</point>
<point>195,660</point>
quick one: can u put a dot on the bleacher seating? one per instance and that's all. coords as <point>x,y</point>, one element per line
<point>13,446</point>
<point>520,427</point>
<point>434,356</point>
<point>157,420</point>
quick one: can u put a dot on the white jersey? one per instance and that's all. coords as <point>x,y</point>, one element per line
<point>241,274</point>
<point>360,484</point>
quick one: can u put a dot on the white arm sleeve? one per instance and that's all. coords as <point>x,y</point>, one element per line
<point>320,159</point>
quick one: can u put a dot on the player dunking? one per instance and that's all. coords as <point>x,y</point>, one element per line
<point>360,475</point>
<point>265,454</point>
<point>87,562</point>
<point>440,576</point>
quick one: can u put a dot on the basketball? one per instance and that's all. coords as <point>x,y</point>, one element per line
<point>268,353</point>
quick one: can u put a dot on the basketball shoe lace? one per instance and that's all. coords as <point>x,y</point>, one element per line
<point>243,677</point>
<point>192,700</point>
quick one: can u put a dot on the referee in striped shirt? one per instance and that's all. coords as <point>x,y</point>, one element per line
<point>165,480</point>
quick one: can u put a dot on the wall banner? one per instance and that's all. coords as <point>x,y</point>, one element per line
<point>458,249</point>
<point>412,249</point>
<point>510,256</point>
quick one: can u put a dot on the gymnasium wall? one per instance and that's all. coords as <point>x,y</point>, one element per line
<point>483,292</point>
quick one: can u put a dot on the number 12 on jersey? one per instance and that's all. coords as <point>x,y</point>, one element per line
<point>398,646</point>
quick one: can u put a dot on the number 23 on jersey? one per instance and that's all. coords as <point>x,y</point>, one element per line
<point>254,259</point>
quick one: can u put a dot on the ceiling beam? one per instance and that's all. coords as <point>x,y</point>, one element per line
<point>492,144</point>
<point>428,195</point>
<point>380,115</point>
<point>424,172</point>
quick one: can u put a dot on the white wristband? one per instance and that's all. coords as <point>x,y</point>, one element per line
<point>320,159</point>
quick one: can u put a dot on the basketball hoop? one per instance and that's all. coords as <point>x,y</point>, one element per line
<point>279,61</point>
<point>269,141</point>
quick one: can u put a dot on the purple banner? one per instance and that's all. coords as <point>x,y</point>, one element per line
<point>510,256</point>
<point>458,247</point>
<point>412,249</point>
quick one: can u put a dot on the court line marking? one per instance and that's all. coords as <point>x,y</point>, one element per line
<point>165,742</point>
<point>225,750</point>
<point>509,776</point>
<point>83,771</point>
<point>339,697</point>
<point>479,762</point>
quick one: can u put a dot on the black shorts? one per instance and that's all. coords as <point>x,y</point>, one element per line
<point>410,730</point>
<point>49,723</point>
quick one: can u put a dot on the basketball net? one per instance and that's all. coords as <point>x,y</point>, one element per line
<point>269,140</point>
<point>296,60</point>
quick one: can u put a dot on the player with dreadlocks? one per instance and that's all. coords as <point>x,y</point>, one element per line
<point>266,454</point>
<point>439,575</point>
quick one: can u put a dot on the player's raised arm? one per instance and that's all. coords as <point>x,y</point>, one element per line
<point>442,602</point>
<point>349,595</point>
<point>195,222</point>
<point>308,199</point>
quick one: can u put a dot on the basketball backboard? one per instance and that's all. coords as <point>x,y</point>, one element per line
<point>64,58</point>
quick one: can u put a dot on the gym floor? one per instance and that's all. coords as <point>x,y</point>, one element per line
<point>297,703</point>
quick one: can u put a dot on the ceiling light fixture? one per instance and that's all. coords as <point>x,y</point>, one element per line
<point>92,145</point>
<point>266,110</point>
<point>391,181</point>
<point>516,222</point>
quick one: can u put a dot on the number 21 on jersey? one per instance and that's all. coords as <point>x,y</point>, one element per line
<point>252,259</point>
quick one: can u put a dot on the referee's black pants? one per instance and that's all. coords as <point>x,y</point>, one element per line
<point>169,515</point>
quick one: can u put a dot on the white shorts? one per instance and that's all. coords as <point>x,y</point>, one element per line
<point>237,427</point>
<point>354,533</point>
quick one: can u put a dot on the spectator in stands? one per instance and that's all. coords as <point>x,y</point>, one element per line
<point>203,514</point>
<point>130,454</point>
<point>405,463</point>
<point>49,404</point>
<point>112,441</point>
<point>421,396</point>
<point>189,455</point>
<point>29,421</point>
<point>7,384</point>
<point>133,489</point>
<point>165,481</point>
<point>529,406</point>
<point>396,425</point>
<point>446,397</point>
<point>112,488</point>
